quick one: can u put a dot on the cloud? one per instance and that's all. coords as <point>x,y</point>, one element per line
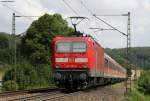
<point>139,17</point>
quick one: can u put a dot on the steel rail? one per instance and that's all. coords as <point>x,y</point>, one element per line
<point>38,96</point>
<point>19,92</point>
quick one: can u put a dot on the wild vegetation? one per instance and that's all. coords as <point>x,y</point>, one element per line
<point>141,89</point>
<point>144,82</point>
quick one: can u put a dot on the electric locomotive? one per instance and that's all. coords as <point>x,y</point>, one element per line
<point>80,62</point>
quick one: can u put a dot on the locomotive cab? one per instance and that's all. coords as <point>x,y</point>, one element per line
<point>70,61</point>
<point>71,54</point>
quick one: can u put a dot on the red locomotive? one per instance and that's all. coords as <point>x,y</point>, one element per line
<point>80,62</point>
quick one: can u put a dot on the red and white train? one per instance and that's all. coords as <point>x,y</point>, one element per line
<point>80,62</point>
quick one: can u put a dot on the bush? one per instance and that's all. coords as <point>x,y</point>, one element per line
<point>9,86</point>
<point>144,82</point>
<point>29,76</point>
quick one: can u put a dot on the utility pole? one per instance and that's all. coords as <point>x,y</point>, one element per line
<point>128,81</point>
<point>13,43</point>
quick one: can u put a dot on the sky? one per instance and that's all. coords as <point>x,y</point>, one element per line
<point>139,9</point>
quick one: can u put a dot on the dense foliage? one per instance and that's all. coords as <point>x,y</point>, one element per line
<point>28,76</point>
<point>144,82</point>
<point>136,95</point>
<point>141,89</point>
<point>4,48</point>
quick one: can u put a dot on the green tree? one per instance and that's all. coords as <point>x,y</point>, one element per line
<point>4,48</point>
<point>4,40</point>
<point>39,35</point>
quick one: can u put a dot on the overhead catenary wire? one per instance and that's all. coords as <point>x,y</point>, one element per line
<point>75,12</point>
<point>102,19</point>
<point>109,25</point>
<point>70,7</point>
<point>14,10</point>
<point>90,11</point>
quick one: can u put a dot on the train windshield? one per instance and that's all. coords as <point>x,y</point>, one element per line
<point>79,47</point>
<point>63,47</point>
<point>76,47</point>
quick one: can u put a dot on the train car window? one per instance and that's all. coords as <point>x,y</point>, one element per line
<point>79,47</point>
<point>106,63</point>
<point>114,66</point>
<point>110,65</point>
<point>63,47</point>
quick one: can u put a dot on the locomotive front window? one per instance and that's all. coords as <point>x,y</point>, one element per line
<point>63,47</point>
<point>79,47</point>
<point>76,47</point>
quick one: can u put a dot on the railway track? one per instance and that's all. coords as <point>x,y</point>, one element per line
<point>105,93</point>
<point>58,95</point>
<point>49,96</point>
<point>6,96</point>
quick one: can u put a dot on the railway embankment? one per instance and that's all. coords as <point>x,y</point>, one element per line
<point>113,92</point>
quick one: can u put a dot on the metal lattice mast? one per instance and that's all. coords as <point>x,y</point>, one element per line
<point>128,82</point>
<point>14,44</point>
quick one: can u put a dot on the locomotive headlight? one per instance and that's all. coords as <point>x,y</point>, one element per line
<point>61,59</point>
<point>57,66</point>
<point>85,66</point>
<point>81,59</point>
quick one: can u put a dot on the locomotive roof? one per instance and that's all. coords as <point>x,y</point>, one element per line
<point>73,38</point>
<point>90,39</point>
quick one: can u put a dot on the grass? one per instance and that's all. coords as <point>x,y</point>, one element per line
<point>136,95</point>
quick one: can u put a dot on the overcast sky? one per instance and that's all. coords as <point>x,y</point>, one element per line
<point>140,18</point>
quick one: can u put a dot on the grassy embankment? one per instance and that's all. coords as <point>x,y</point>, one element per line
<point>136,95</point>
